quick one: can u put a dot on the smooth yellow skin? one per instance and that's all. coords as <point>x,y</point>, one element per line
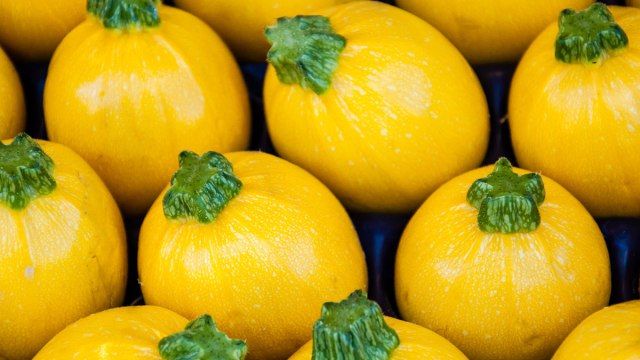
<point>496,296</point>
<point>263,268</point>
<point>63,257</point>
<point>416,343</point>
<point>12,111</point>
<point>405,112</point>
<point>241,23</point>
<point>141,97</point>
<point>612,333</point>
<point>491,31</point>
<point>126,333</point>
<point>578,124</point>
<point>32,29</point>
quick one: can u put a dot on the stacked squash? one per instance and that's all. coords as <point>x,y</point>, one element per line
<point>372,110</point>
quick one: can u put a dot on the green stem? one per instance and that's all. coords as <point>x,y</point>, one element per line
<point>588,36</point>
<point>26,172</point>
<point>201,340</point>
<point>353,329</point>
<point>125,14</point>
<point>305,50</point>
<point>507,203</point>
<point>201,188</point>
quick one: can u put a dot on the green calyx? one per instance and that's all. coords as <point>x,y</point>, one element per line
<point>125,14</point>
<point>305,50</point>
<point>201,188</point>
<point>26,172</point>
<point>201,340</point>
<point>588,36</point>
<point>507,203</point>
<point>353,329</point>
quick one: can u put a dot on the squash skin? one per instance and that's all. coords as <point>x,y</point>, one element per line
<point>499,296</point>
<point>32,29</point>
<point>610,334</point>
<point>63,257</point>
<point>227,17</point>
<point>130,119</point>
<point>494,31</point>
<point>280,249</point>
<point>383,145</point>
<point>578,123</point>
<point>12,111</point>
<point>416,343</point>
<point>127,333</point>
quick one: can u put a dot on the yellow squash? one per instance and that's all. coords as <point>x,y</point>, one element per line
<point>574,110</point>
<point>62,245</point>
<point>503,266</point>
<point>241,23</point>
<point>490,31</point>
<point>259,246</point>
<point>32,29</point>
<point>356,326</point>
<point>374,102</point>
<point>136,83</point>
<point>142,332</point>
<point>12,111</point>
<point>612,333</point>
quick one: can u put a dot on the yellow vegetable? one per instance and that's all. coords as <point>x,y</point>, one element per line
<point>32,29</point>
<point>356,326</point>
<point>490,31</point>
<point>574,110</point>
<point>612,333</point>
<point>241,23</point>
<point>131,87</point>
<point>503,266</point>
<point>374,102</point>
<point>142,332</point>
<point>62,245</point>
<point>259,246</point>
<point>12,112</point>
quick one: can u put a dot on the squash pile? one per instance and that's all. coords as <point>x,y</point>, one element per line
<point>148,224</point>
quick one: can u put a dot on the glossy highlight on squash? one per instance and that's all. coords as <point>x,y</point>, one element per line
<point>62,245</point>
<point>12,110</point>
<point>155,80</point>
<point>125,333</point>
<point>241,23</point>
<point>264,264</point>
<point>611,333</point>
<point>490,31</point>
<point>575,118</point>
<point>376,109</point>
<point>32,29</point>
<point>501,296</point>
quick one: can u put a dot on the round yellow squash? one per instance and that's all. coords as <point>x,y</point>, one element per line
<point>241,23</point>
<point>254,241</point>
<point>339,332</point>
<point>612,333</point>
<point>490,31</point>
<point>502,264</point>
<point>142,332</point>
<point>131,87</point>
<point>12,111</point>
<point>32,29</point>
<point>374,102</point>
<point>574,112</point>
<point>63,244</point>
